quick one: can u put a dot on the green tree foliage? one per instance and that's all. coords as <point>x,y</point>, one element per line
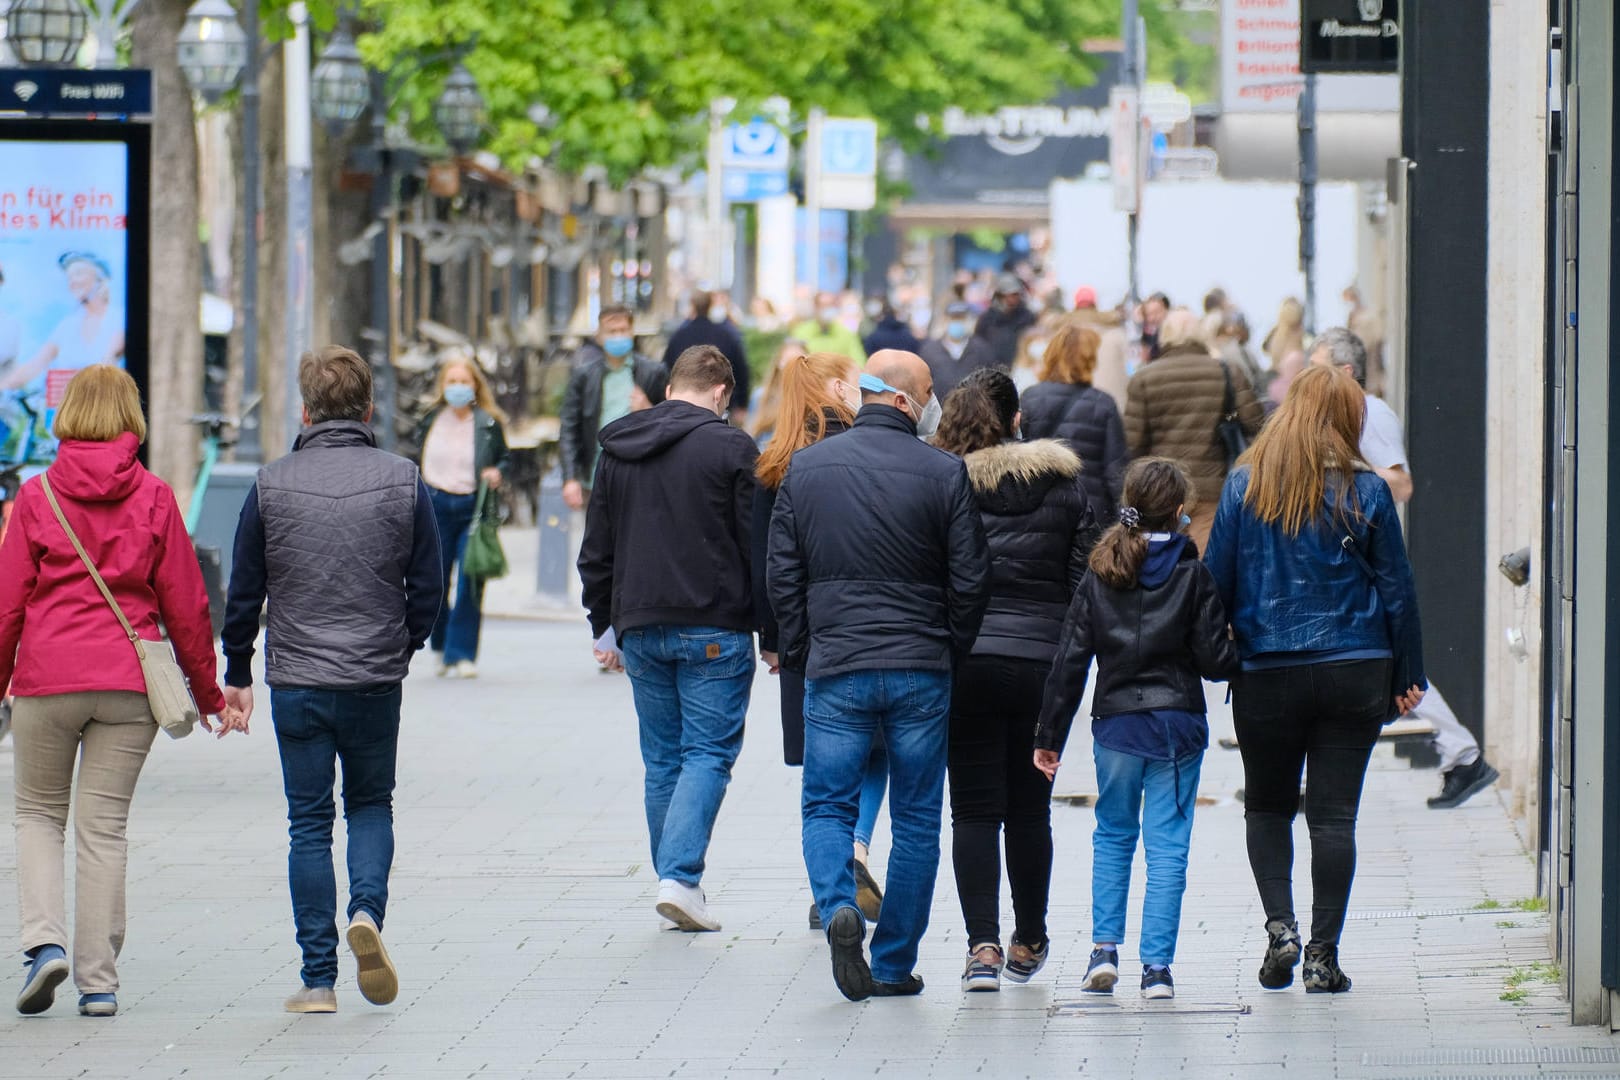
<point>627,82</point>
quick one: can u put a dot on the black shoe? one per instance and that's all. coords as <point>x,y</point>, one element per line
<point>1322,972</point>
<point>815,916</point>
<point>850,971</point>
<point>1282,954</point>
<point>1102,972</point>
<point>868,897</point>
<point>1157,985</point>
<point>912,986</point>
<point>1462,783</point>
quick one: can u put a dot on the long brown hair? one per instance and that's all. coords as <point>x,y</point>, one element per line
<point>979,413</point>
<point>802,418</point>
<point>1156,489</point>
<point>1311,444</point>
<point>483,396</point>
<point>1071,355</point>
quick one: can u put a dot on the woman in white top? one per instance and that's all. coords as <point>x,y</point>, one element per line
<point>462,446</point>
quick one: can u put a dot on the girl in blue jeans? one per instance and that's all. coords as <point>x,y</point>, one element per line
<point>1148,613</point>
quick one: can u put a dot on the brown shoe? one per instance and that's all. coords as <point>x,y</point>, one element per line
<point>379,982</point>
<point>313,999</point>
<point>868,897</point>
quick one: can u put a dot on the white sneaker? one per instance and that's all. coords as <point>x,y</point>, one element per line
<point>684,906</point>
<point>466,669</point>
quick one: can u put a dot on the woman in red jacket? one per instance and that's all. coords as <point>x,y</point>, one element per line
<point>77,681</point>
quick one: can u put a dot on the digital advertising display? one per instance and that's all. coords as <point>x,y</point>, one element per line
<point>72,270</point>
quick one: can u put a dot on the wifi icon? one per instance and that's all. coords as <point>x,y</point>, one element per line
<point>25,89</point>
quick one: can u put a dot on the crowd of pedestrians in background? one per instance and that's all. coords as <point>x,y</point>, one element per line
<point>945,534</point>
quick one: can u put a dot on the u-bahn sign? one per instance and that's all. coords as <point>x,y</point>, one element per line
<point>1355,37</point>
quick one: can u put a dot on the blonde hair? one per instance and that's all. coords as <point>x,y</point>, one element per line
<point>802,419</point>
<point>1181,327</point>
<point>101,403</point>
<point>1309,445</point>
<point>483,396</point>
<point>1071,355</point>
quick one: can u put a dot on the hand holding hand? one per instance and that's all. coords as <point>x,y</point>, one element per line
<point>574,495</point>
<point>492,477</point>
<point>1048,761</point>
<point>239,700</point>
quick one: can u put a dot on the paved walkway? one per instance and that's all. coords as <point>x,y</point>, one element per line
<point>524,932</point>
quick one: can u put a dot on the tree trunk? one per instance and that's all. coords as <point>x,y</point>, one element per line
<point>175,344</point>
<point>273,260</point>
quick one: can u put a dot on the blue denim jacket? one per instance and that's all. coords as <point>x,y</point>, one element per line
<point>1310,593</point>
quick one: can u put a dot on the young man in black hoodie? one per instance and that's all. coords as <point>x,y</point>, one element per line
<point>665,567</point>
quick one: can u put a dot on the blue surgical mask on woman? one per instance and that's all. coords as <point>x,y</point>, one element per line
<point>459,396</point>
<point>957,329</point>
<point>618,346</point>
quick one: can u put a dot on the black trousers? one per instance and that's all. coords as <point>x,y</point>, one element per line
<point>1322,719</point>
<point>996,789</point>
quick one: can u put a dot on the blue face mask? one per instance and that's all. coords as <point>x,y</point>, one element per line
<point>618,346</point>
<point>459,397</point>
<point>957,330</point>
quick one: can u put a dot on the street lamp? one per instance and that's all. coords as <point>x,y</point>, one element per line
<point>213,49</point>
<point>343,88</point>
<point>216,52</point>
<point>459,111</point>
<point>46,32</point>
<point>340,86</point>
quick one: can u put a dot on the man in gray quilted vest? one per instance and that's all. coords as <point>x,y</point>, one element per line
<point>340,537</point>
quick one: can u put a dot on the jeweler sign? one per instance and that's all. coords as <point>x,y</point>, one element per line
<point>1360,37</point>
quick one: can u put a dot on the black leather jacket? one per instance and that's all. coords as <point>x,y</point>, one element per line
<point>1153,647</point>
<point>581,418</point>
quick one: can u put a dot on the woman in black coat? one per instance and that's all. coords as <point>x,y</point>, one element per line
<point>1040,528</point>
<point>1064,405</point>
<point>819,399</point>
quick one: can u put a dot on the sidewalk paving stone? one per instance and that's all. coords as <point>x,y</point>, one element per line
<point>521,921</point>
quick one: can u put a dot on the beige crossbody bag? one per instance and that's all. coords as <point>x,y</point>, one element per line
<point>167,691</point>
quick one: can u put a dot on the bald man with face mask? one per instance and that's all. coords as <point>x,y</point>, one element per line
<point>879,575</point>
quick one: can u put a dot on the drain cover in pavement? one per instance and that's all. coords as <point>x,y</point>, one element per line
<point>1501,1055</point>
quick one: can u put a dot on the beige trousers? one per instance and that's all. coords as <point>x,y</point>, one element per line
<point>109,733</point>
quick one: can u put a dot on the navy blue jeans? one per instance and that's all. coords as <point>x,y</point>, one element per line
<point>316,731</point>
<point>455,632</point>
<point>842,716</point>
<point>691,685</point>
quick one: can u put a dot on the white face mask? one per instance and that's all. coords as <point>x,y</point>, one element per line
<point>851,396</point>
<point>1037,349</point>
<point>928,420</point>
<point>828,316</point>
<point>718,313</point>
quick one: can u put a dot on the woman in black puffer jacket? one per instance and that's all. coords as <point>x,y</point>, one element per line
<point>1064,405</point>
<point>1039,524</point>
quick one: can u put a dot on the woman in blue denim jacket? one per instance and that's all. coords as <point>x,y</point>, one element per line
<point>1308,558</point>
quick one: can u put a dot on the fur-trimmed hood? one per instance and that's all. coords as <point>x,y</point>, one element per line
<point>1024,463</point>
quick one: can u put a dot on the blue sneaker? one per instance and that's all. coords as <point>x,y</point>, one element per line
<point>1102,972</point>
<point>98,1005</point>
<point>47,969</point>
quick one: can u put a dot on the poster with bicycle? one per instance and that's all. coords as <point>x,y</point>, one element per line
<point>65,256</point>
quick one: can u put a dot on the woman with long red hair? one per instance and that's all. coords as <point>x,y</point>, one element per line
<point>818,398</point>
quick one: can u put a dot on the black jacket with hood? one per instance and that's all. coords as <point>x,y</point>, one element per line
<point>877,553</point>
<point>1153,643</point>
<point>1040,528</point>
<point>667,531</point>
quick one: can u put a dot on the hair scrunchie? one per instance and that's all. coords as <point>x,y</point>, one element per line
<point>1130,517</point>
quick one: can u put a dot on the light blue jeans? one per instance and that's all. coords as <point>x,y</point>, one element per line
<point>842,715</point>
<point>1156,799</point>
<point>691,686</point>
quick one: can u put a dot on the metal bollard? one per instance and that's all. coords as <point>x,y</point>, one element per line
<point>553,521</point>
